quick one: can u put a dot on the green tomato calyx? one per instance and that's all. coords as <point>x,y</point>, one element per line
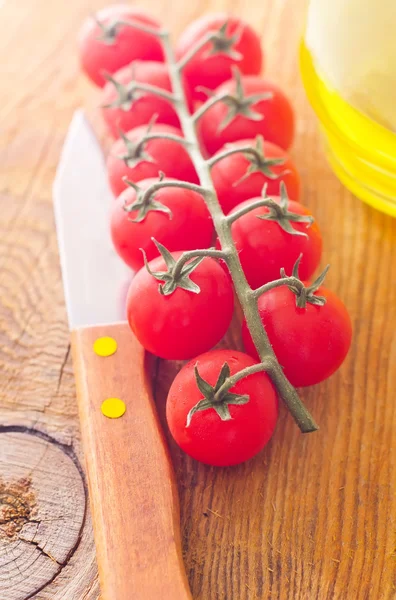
<point>178,273</point>
<point>223,43</point>
<point>240,104</point>
<point>212,399</point>
<point>305,294</point>
<point>281,214</point>
<point>108,31</point>
<point>126,94</point>
<point>135,151</point>
<point>259,163</point>
<point>144,202</point>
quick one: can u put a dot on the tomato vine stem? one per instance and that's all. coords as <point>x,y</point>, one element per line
<point>207,105</point>
<point>153,89</point>
<point>234,216</point>
<point>246,295</point>
<point>237,150</point>
<point>293,281</point>
<point>194,50</point>
<point>158,33</point>
<point>265,365</point>
<point>193,187</point>
<point>188,255</point>
<point>126,92</point>
<point>160,136</point>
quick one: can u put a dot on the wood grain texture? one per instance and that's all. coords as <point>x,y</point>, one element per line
<point>42,510</point>
<point>132,486</point>
<point>311,518</point>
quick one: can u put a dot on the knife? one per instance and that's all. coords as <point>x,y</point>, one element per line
<point>133,494</point>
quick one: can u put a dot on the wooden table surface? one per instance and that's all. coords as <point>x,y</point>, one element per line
<point>312,517</point>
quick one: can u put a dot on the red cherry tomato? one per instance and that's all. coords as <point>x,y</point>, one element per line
<point>183,324</point>
<point>189,227</point>
<point>108,47</point>
<point>233,187</point>
<point>277,125</point>
<point>310,343</point>
<point>156,155</point>
<point>209,68</point>
<point>141,110</point>
<point>264,247</point>
<point>208,438</point>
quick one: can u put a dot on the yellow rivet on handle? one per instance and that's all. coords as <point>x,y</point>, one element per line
<point>105,346</point>
<point>113,408</point>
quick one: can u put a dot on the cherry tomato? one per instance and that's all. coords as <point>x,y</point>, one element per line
<point>310,343</point>
<point>137,108</point>
<point>277,124</point>
<point>186,225</point>
<point>183,324</point>
<point>208,438</point>
<point>105,47</point>
<point>238,43</point>
<point>264,247</point>
<point>234,185</point>
<point>155,155</point>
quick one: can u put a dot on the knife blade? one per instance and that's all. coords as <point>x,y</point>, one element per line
<point>132,488</point>
<point>94,277</point>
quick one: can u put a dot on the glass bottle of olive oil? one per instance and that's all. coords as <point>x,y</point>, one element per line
<point>348,64</point>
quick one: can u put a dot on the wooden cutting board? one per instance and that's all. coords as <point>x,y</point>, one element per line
<point>312,517</point>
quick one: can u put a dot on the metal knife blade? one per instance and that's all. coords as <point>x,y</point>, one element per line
<point>95,279</point>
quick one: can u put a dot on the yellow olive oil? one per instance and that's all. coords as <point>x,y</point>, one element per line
<point>361,152</point>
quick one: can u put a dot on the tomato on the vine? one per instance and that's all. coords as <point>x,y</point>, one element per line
<point>124,107</point>
<point>241,176</point>
<point>178,218</point>
<point>265,246</point>
<point>236,43</point>
<point>259,107</point>
<point>238,426</point>
<point>180,323</point>
<point>106,44</point>
<point>311,342</point>
<point>136,161</point>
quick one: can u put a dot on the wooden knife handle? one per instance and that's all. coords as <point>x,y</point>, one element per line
<point>132,487</point>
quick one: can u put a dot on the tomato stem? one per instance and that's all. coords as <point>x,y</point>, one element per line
<point>186,256</point>
<point>195,49</point>
<point>238,150</point>
<point>267,365</point>
<point>244,292</point>
<point>153,90</point>
<point>259,163</point>
<point>246,296</point>
<point>289,281</point>
<point>304,293</point>
<point>208,104</point>
<point>246,209</point>
<point>160,136</point>
<point>158,33</point>
<point>126,93</point>
<point>169,183</point>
